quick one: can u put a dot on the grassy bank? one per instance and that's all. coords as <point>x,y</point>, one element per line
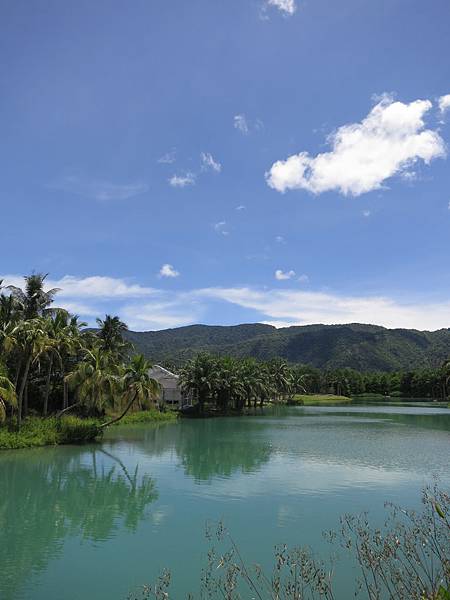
<point>37,431</point>
<point>312,399</point>
<point>148,416</point>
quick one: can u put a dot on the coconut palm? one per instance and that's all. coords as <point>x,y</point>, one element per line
<point>64,330</point>
<point>137,386</point>
<point>110,334</point>
<point>199,378</point>
<point>33,300</point>
<point>280,376</point>
<point>95,380</point>
<point>31,341</point>
<point>7,393</point>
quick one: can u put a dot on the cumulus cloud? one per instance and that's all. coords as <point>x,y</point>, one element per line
<point>182,181</point>
<point>240,123</point>
<point>363,155</point>
<point>97,189</point>
<point>284,275</point>
<point>168,271</point>
<point>366,213</point>
<point>208,162</point>
<point>288,7</point>
<point>444,103</point>
<point>241,207</point>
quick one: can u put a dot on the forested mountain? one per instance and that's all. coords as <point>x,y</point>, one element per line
<point>361,347</point>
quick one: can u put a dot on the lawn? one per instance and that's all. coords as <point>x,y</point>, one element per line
<point>312,399</point>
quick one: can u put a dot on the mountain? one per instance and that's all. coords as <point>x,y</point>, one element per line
<point>361,347</point>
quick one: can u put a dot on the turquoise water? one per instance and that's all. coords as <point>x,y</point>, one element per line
<point>96,521</point>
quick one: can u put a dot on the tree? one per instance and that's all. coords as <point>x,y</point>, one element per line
<point>31,340</point>
<point>137,386</point>
<point>7,393</point>
<point>199,377</point>
<point>111,330</point>
<point>95,380</point>
<point>33,300</point>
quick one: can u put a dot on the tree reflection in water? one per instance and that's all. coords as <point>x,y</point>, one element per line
<point>50,495</point>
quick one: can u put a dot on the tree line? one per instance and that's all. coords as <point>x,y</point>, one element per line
<point>50,362</point>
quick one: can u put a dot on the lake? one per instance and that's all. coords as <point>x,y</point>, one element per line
<point>97,521</point>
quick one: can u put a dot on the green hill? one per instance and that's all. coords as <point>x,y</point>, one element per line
<point>361,347</point>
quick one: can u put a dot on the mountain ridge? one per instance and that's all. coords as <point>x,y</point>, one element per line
<point>361,346</point>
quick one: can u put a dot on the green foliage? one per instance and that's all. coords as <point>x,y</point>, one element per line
<point>149,416</point>
<point>360,347</point>
<point>311,399</point>
<point>46,432</point>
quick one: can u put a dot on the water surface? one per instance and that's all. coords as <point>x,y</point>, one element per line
<point>95,521</point>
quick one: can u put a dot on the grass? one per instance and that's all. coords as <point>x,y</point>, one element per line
<point>312,399</point>
<point>37,431</point>
<point>148,416</point>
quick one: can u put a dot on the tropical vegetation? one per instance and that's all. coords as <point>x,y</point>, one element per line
<point>51,366</point>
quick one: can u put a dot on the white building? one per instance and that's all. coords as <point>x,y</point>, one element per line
<point>169,382</point>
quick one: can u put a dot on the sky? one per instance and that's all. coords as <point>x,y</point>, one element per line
<point>201,161</point>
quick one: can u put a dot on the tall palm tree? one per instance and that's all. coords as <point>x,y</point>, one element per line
<point>111,330</point>
<point>7,393</point>
<point>95,380</point>
<point>137,386</point>
<point>199,378</point>
<point>31,340</point>
<point>33,300</point>
<point>64,330</point>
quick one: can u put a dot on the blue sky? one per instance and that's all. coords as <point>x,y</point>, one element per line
<point>282,161</point>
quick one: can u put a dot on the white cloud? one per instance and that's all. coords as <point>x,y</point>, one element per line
<point>296,307</point>
<point>240,123</point>
<point>279,239</point>
<point>444,103</point>
<point>366,213</point>
<point>150,308</point>
<point>283,276</point>
<point>87,287</point>
<point>168,158</point>
<point>97,189</point>
<point>363,155</point>
<point>161,315</point>
<point>303,278</point>
<point>182,180</point>
<point>241,207</point>
<point>287,7</point>
<point>168,271</point>
<point>208,162</point>
<point>220,227</point>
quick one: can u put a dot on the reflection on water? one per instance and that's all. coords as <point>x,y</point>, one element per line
<point>282,476</point>
<point>53,494</point>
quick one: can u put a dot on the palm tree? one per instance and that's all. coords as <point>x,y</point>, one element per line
<point>33,301</point>
<point>281,377</point>
<point>7,393</point>
<point>199,378</point>
<point>95,380</point>
<point>111,330</point>
<point>31,340</point>
<point>137,386</point>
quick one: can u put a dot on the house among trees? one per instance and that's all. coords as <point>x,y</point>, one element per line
<point>170,389</point>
